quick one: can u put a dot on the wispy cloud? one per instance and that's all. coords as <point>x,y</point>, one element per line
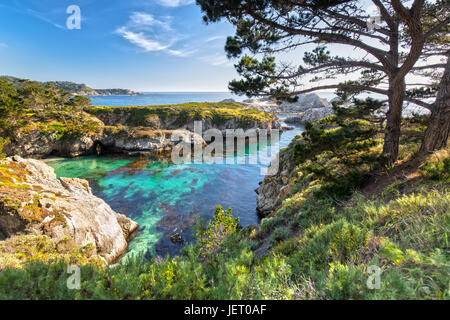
<point>218,60</point>
<point>40,16</point>
<point>142,20</point>
<point>157,34</point>
<point>214,38</point>
<point>3,45</point>
<point>183,52</point>
<point>174,3</point>
<point>144,31</point>
<point>141,40</point>
<point>152,34</point>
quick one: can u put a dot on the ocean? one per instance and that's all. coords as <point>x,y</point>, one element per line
<point>160,98</point>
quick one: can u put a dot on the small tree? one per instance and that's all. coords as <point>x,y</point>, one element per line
<point>222,225</point>
<point>10,106</point>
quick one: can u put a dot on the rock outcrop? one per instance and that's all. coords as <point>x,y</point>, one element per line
<point>148,142</point>
<point>118,132</point>
<point>304,103</point>
<point>275,187</point>
<point>34,201</point>
<point>265,105</point>
<point>182,122</point>
<point>310,115</point>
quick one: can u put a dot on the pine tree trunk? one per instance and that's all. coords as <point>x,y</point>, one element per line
<point>393,121</point>
<point>437,132</point>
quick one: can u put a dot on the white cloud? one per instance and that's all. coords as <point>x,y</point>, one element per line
<point>153,34</point>
<point>3,45</point>
<point>142,19</point>
<point>218,60</point>
<point>156,34</point>
<point>182,53</point>
<point>141,40</point>
<point>175,3</point>
<point>214,38</point>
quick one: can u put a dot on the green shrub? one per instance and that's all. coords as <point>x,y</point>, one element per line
<point>270,223</point>
<point>222,225</point>
<point>279,234</point>
<point>439,171</point>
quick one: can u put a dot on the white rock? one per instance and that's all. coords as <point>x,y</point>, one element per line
<point>72,211</point>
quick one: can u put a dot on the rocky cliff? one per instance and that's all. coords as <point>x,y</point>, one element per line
<point>137,130</point>
<point>275,187</point>
<point>124,140</point>
<point>34,202</point>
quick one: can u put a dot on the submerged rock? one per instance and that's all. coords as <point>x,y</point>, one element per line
<point>34,201</point>
<point>176,238</point>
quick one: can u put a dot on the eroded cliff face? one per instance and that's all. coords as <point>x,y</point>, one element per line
<point>124,140</point>
<point>38,144</point>
<point>180,121</point>
<point>33,201</point>
<point>276,186</point>
<point>117,133</point>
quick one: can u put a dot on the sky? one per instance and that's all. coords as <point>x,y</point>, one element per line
<point>146,45</point>
<point>142,45</point>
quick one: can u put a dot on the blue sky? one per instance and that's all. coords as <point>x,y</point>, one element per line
<point>147,45</point>
<point>143,45</point>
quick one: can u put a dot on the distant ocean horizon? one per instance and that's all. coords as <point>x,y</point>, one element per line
<point>161,98</point>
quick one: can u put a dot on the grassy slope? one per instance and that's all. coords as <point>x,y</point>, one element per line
<point>312,247</point>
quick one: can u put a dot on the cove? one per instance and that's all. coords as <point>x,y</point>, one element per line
<point>166,198</point>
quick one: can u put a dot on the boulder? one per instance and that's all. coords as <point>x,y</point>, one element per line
<point>61,208</point>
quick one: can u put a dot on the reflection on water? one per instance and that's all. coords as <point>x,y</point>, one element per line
<point>165,198</point>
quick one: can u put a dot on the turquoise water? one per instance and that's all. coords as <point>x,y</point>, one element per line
<point>165,198</point>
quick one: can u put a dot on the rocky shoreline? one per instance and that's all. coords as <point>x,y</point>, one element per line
<point>35,202</point>
<point>65,209</point>
<point>117,132</point>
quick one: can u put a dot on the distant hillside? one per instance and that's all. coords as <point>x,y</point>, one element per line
<point>74,88</point>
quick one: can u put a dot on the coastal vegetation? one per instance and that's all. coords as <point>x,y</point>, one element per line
<point>343,215</point>
<point>74,88</point>
<point>44,108</point>
<point>41,120</point>
<point>357,210</point>
<point>218,112</point>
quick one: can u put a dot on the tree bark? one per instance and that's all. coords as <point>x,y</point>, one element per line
<point>437,132</point>
<point>396,96</point>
